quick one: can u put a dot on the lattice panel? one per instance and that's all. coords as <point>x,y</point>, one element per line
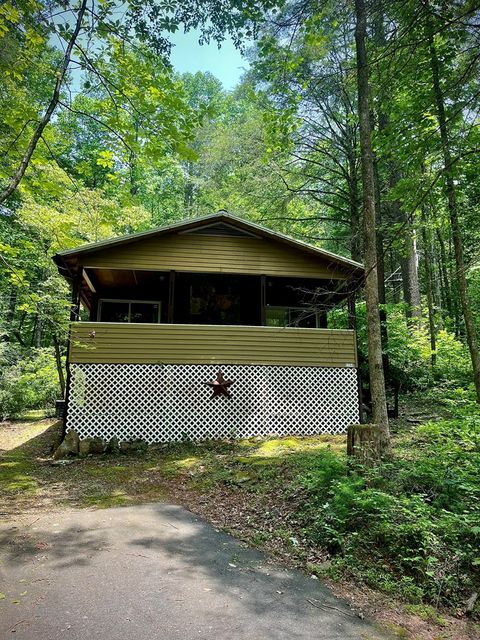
<point>168,403</point>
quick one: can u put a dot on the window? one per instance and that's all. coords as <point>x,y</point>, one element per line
<point>129,311</point>
<point>291,317</point>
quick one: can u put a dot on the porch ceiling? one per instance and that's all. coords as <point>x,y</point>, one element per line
<point>123,278</point>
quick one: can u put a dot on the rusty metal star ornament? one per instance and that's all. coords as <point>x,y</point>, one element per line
<point>220,386</point>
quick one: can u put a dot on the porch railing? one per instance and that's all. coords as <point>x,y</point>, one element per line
<point>97,342</point>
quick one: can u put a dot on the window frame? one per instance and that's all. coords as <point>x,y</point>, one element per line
<point>290,308</point>
<point>129,302</point>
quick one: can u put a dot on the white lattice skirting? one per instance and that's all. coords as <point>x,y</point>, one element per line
<point>168,403</point>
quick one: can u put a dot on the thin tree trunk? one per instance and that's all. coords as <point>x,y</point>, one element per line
<point>437,284</point>
<point>444,278</point>
<point>37,134</point>
<point>408,256</point>
<point>429,287</point>
<point>10,313</point>
<point>188,190</point>
<point>132,161</point>
<point>379,39</point>
<point>58,361</point>
<point>37,341</point>
<point>382,291</point>
<point>453,209</point>
<point>377,382</point>
<point>34,330</point>
<point>409,269</point>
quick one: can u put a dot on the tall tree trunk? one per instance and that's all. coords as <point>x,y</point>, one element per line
<point>377,381</point>
<point>37,339</point>
<point>427,263</point>
<point>382,291</point>
<point>436,283</point>
<point>379,39</point>
<point>409,269</point>
<point>453,208</point>
<point>444,277</point>
<point>37,134</point>
<point>408,257</point>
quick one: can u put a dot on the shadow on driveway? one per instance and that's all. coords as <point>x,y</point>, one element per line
<point>156,571</point>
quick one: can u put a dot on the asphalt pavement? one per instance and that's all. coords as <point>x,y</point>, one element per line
<point>155,571</point>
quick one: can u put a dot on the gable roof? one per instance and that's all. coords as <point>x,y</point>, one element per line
<point>220,218</point>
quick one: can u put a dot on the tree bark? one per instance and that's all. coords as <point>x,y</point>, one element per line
<point>444,278</point>
<point>453,207</point>
<point>409,269</point>
<point>427,262</point>
<point>408,256</point>
<point>58,361</point>
<point>363,443</point>
<point>37,134</point>
<point>377,381</point>
<point>38,335</point>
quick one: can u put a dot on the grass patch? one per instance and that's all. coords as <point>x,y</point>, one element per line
<point>103,500</point>
<point>33,415</point>
<point>427,613</point>
<point>16,475</point>
<point>112,473</point>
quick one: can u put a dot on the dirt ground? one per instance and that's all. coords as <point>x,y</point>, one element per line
<point>195,477</point>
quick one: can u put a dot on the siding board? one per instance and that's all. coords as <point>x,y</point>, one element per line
<point>208,344</point>
<point>210,254</point>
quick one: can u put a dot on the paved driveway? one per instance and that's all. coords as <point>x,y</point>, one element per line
<point>154,571</point>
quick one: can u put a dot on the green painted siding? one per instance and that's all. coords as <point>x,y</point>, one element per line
<point>211,254</point>
<point>208,344</point>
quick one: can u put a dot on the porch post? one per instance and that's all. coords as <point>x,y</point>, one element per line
<point>263,301</point>
<point>171,297</point>
<point>351,310</point>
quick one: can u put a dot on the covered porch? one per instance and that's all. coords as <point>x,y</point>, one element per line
<point>171,297</point>
<point>149,341</point>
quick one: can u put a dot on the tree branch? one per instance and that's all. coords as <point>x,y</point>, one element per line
<point>37,134</point>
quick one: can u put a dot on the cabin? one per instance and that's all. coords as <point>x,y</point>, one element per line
<point>213,327</point>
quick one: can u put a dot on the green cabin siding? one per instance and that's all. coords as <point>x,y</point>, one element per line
<point>208,344</point>
<point>212,254</point>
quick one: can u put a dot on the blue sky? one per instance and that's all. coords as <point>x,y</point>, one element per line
<point>226,64</point>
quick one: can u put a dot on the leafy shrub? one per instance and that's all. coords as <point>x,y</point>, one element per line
<point>27,383</point>
<point>410,526</point>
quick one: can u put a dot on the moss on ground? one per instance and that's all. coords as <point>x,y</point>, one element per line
<point>427,613</point>
<point>16,475</point>
<point>111,472</point>
<point>105,481</point>
<point>104,500</point>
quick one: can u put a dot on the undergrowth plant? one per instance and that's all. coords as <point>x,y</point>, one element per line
<point>411,526</point>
